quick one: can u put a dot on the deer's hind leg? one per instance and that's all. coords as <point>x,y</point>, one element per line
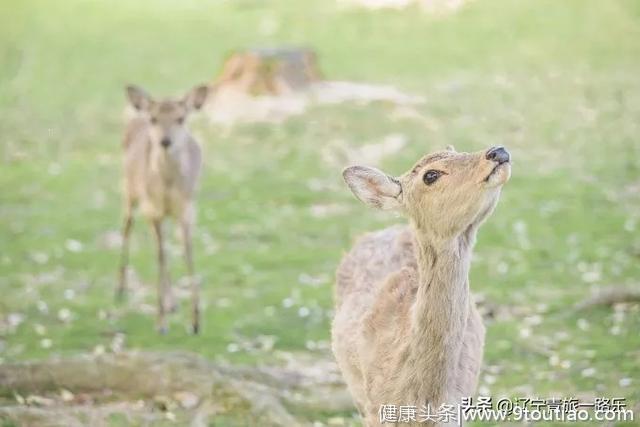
<point>163,276</point>
<point>187,226</point>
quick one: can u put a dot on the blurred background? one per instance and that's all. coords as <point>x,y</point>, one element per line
<point>556,269</point>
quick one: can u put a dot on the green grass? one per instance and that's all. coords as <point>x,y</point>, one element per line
<point>556,82</point>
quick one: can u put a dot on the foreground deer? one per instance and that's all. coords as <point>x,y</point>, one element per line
<point>406,330</point>
<point>161,166</point>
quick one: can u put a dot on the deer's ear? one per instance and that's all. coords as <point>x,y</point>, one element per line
<point>373,187</point>
<point>138,97</point>
<point>195,98</point>
<point>451,148</point>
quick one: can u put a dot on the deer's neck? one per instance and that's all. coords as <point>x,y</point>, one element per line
<point>164,164</point>
<point>439,314</point>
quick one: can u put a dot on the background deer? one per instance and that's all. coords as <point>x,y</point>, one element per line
<point>162,163</point>
<point>406,330</point>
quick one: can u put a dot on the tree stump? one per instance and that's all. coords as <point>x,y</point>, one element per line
<point>269,71</point>
<point>142,387</point>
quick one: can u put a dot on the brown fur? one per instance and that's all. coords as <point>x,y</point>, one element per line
<point>161,180</point>
<point>406,330</point>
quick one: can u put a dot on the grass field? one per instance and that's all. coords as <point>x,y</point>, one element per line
<point>555,82</point>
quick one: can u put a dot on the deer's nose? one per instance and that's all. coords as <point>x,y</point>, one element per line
<point>165,142</point>
<point>498,154</point>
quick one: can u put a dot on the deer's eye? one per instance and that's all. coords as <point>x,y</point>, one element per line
<point>181,120</point>
<point>154,120</point>
<point>431,176</point>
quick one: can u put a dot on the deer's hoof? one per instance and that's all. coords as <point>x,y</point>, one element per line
<point>195,329</point>
<point>162,330</point>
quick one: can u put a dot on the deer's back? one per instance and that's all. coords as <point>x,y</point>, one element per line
<point>136,146</point>
<point>373,258</point>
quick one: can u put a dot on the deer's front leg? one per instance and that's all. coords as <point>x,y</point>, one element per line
<point>195,288</point>
<point>163,277</point>
<point>124,258</point>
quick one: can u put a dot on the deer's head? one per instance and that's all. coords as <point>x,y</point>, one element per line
<point>167,117</point>
<point>444,193</point>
